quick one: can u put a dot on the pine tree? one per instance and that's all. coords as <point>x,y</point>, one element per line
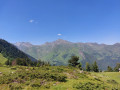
<point>95,67</point>
<point>88,66</point>
<point>73,61</point>
<point>109,69</point>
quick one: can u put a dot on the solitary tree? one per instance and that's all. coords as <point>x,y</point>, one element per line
<point>88,66</point>
<point>73,61</point>
<point>95,67</point>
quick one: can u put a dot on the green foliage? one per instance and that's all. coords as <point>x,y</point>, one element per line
<point>10,51</point>
<point>13,68</point>
<point>2,59</point>
<point>112,81</point>
<point>36,84</point>
<point>8,62</point>
<point>88,67</point>
<point>95,67</point>
<point>79,66</point>
<point>89,86</point>
<point>117,67</point>
<point>22,61</point>
<point>109,69</point>
<point>1,65</point>
<point>19,61</point>
<point>81,75</point>
<point>39,63</point>
<point>26,74</point>
<point>56,78</point>
<point>73,61</point>
<point>15,87</point>
<point>61,51</point>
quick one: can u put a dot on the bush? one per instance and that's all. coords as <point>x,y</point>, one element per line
<point>13,68</point>
<point>35,85</point>
<point>81,75</point>
<point>15,87</point>
<point>47,86</point>
<point>59,77</point>
<point>112,81</point>
<point>60,70</point>
<point>89,86</point>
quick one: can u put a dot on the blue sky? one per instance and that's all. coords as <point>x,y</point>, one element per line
<point>39,21</point>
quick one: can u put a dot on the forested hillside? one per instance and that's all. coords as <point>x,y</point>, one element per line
<point>11,52</point>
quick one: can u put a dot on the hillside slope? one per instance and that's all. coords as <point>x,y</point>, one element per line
<point>11,52</point>
<point>59,52</point>
<point>56,78</point>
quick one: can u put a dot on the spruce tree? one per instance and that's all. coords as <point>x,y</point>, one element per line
<point>95,67</point>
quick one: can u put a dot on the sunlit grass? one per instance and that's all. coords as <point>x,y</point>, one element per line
<point>74,80</point>
<point>2,59</point>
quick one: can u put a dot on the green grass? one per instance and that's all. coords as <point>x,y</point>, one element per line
<point>6,70</point>
<point>2,59</point>
<point>111,78</point>
<point>109,75</point>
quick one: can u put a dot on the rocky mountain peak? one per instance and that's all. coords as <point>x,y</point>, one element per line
<point>25,44</point>
<point>61,41</point>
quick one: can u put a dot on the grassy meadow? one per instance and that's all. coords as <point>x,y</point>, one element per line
<point>2,59</point>
<point>56,78</point>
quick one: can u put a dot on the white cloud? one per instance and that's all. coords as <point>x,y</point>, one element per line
<point>31,21</point>
<point>59,34</point>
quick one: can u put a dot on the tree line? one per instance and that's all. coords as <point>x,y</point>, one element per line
<point>74,61</point>
<point>26,62</point>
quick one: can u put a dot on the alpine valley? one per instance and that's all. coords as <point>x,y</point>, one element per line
<point>59,52</point>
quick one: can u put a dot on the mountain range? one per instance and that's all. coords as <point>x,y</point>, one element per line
<point>59,52</point>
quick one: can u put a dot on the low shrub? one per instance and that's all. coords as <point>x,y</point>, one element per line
<point>35,85</point>
<point>13,68</point>
<point>21,76</point>
<point>112,82</point>
<point>58,77</point>
<point>15,87</point>
<point>81,75</point>
<point>89,86</point>
<point>97,79</point>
